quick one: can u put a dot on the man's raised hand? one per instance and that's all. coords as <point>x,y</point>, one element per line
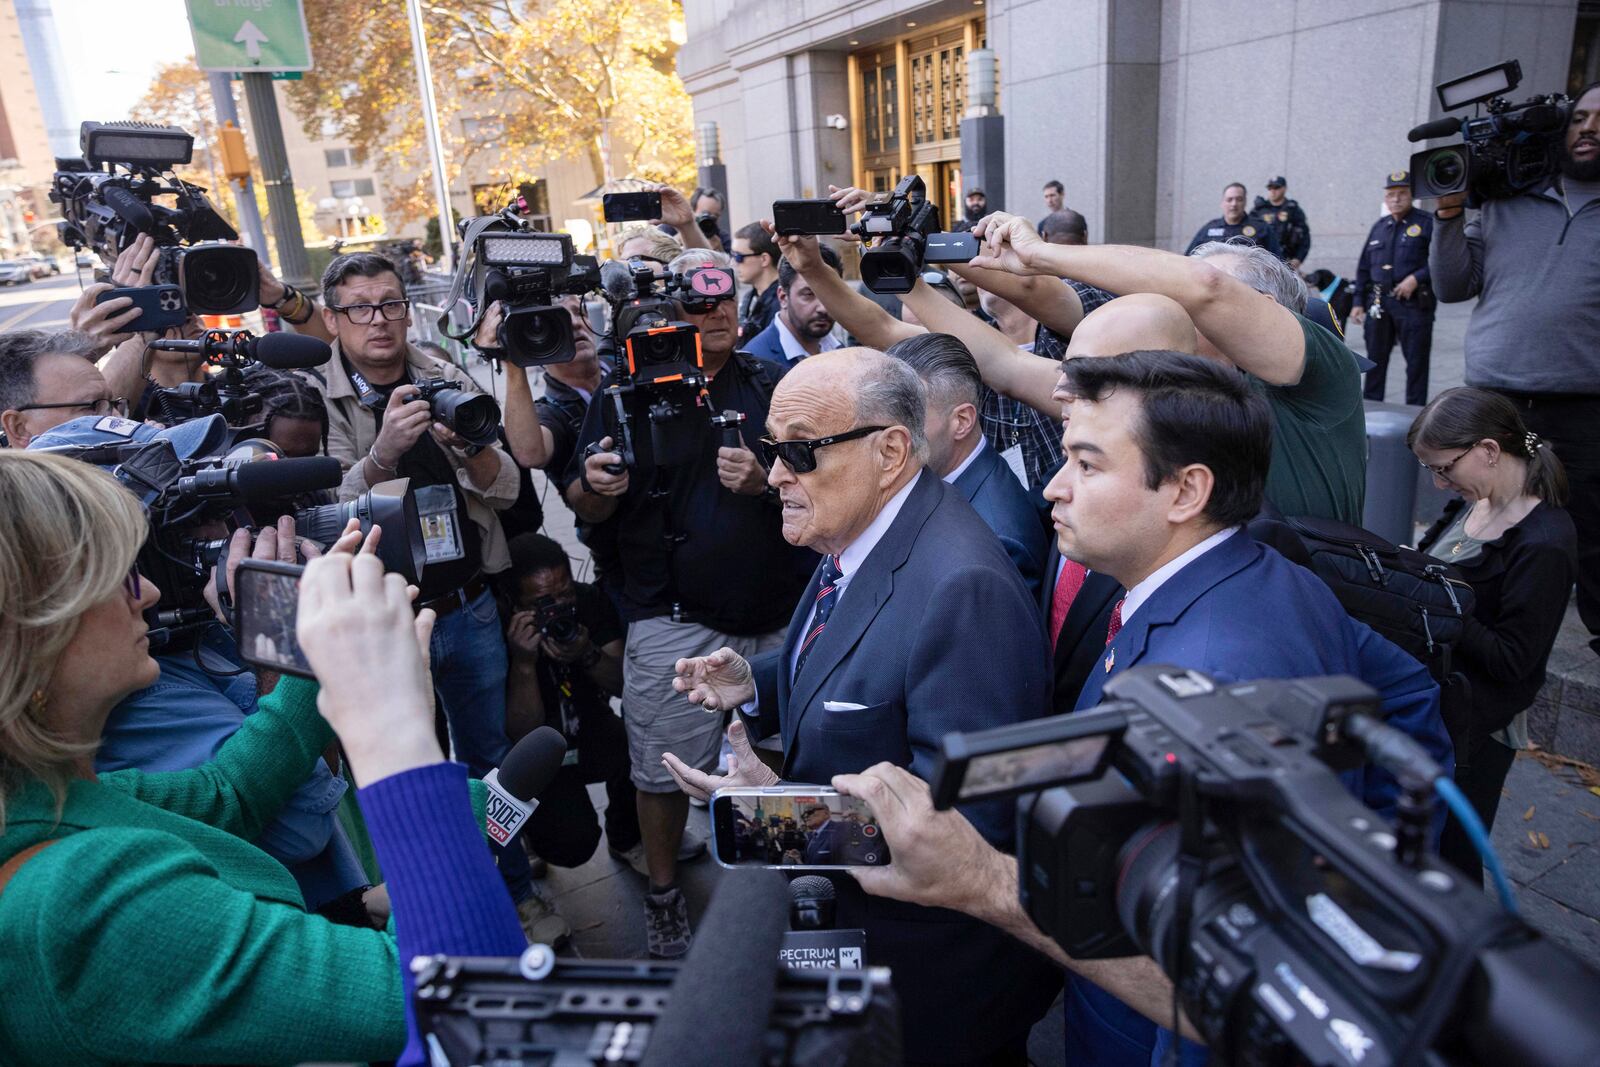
<point>716,682</point>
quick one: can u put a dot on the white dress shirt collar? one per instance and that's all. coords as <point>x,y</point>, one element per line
<point>1145,589</point>
<point>793,351</point>
<point>961,468</point>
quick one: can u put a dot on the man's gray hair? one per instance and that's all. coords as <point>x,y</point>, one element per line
<point>699,257</point>
<point>21,350</point>
<point>889,393</point>
<point>1260,270</point>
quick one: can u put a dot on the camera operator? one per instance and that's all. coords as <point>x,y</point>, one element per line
<point>379,430</point>
<point>703,565</point>
<point>47,379</point>
<point>1530,261</point>
<point>293,414</point>
<point>565,641</point>
<point>755,258</point>
<point>709,205</point>
<point>802,326</point>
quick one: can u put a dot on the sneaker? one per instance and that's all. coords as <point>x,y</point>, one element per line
<point>666,924</point>
<point>542,923</point>
<point>692,849</point>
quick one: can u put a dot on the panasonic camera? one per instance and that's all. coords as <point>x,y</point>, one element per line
<point>1507,151</point>
<point>903,234</point>
<point>117,191</point>
<point>1204,825</point>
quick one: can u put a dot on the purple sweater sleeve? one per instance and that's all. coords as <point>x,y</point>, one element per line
<point>446,893</point>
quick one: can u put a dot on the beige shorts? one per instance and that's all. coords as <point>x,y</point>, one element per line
<point>659,719</point>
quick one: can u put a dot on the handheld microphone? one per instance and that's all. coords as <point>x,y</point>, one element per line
<point>812,902</point>
<point>128,207</point>
<point>280,351</point>
<point>514,786</point>
<point>262,480</point>
<point>616,279</point>
<point>1437,128</point>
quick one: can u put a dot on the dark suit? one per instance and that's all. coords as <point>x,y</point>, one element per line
<point>1082,640</point>
<point>1002,502</point>
<point>934,632</point>
<point>1242,611</point>
<point>767,345</point>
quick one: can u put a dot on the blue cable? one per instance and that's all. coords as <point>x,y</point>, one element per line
<point>1457,802</point>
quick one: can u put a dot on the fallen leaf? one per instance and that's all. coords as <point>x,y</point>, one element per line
<point>1544,842</point>
<point>1528,814</point>
<point>1595,789</point>
<point>1589,815</point>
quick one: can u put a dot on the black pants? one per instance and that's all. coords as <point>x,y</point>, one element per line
<point>1414,331</point>
<point>1572,426</point>
<point>1487,764</point>
<point>564,828</point>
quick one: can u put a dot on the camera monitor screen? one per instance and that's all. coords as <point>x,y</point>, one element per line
<point>268,599</point>
<point>820,829</point>
<point>1024,768</point>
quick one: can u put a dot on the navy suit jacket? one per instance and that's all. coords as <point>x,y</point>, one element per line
<point>766,345</point>
<point>935,632</point>
<point>1082,640</point>
<point>1002,502</point>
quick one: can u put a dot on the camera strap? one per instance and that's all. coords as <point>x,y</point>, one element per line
<point>469,244</point>
<point>369,397</point>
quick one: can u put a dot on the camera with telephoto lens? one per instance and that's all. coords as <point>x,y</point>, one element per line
<point>708,224</point>
<point>527,271</point>
<point>556,619</point>
<point>108,198</point>
<point>1510,150</point>
<point>1205,825</point>
<point>473,416</point>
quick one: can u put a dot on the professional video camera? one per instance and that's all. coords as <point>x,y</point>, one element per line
<point>1512,149</point>
<point>906,228</point>
<point>108,198</point>
<point>1296,925</point>
<point>507,261</point>
<point>227,394</point>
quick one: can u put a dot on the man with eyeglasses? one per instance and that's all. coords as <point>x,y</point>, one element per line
<point>915,624</point>
<point>380,431</point>
<point>47,379</point>
<point>703,565</point>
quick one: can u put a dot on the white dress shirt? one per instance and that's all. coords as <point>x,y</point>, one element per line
<point>1145,589</point>
<point>961,468</point>
<point>793,351</point>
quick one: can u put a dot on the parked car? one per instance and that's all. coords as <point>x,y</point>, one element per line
<point>42,266</point>
<point>15,272</point>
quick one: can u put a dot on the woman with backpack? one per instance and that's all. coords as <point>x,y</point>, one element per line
<point>1510,539</point>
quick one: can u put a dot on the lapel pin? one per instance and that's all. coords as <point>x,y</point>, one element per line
<point>1111,660</point>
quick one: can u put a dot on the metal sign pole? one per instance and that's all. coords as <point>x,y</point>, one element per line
<point>430,119</point>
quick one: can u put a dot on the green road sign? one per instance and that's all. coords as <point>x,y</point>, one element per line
<point>250,35</point>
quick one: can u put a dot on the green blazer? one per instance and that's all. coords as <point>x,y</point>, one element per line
<point>152,931</point>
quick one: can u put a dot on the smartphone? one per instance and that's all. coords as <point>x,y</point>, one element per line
<point>807,216</point>
<point>161,307</point>
<point>794,827</point>
<point>950,248</point>
<point>266,599</point>
<point>631,207</point>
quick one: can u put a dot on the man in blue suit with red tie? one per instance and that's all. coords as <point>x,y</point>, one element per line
<point>915,624</point>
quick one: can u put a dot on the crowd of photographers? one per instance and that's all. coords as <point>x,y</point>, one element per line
<point>831,521</point>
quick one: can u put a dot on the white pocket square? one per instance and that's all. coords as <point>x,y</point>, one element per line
<point>842,705</point>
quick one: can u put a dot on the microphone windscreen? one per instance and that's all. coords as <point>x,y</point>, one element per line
<point>616,278</point>
<point>291,351</point>
<point>811,887</point>
<point>130,208</point>
<point>264,480</point>
<point>1436,128</point>
<point>532,763</point>
<point>722,997</point>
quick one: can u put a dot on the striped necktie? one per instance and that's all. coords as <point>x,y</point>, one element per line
<point>827,597</point>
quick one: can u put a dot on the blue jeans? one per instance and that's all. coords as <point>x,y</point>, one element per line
<point>469,674</point>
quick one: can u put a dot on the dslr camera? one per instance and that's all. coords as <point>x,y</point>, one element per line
<point>473,416</point>
<point>109,196</point>
<point>903,233</point>
<point>528,271</point>
<point>556,619</point>
<point>1204,825</point>
<point>1509,150</point>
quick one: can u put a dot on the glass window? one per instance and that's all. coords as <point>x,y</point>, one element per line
<point>337,157</point>
<point>891,116</point>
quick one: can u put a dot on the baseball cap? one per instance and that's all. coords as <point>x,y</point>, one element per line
<point>975,191</point>
<point>1399,179</point>
<point>1276,183</point>
<point>197,437</point>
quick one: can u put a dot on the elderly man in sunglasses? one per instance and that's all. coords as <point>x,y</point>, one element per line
<point>916,623</point>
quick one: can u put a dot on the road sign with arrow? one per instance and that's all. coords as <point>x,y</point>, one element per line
<point>250,35</point>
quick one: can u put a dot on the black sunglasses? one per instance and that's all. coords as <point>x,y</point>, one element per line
<point>801,456</point>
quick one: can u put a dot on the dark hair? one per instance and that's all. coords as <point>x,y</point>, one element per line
<point>1065,222</point>
<point>1241,186</point>
<point>354,265</point>
<point>1057,186</point>
<point>761,242</point>
<point>534,552</point>
<point>287,396</point>
<point>787,273</point>
<point>944,364</point>
<point>20,352</point>
<point>706,190</point>
<point>1192,410</point>
<point>1461,417</point>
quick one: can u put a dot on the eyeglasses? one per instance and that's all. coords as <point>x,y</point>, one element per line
<point>647,259</point>
<point>362,314</point>
<point>132,585</point>
<point>1444,471</point>
<point>740,257</point>
<point>102,406</point>
<point>801,456</point>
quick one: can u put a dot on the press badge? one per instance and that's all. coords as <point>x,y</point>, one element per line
<point>1014,460</point>
<point>441,536</point>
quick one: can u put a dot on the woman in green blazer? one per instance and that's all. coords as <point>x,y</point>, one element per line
<point>137,922</point>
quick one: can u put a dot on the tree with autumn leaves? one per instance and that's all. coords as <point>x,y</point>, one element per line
<point>537,80</point>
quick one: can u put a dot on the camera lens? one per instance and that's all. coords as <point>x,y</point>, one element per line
<point>401,548</point>
<point>219,279</point>
<point>890,268</point>
<point>1446,172</point>
<point>533,336</point>
<point>472,415</point>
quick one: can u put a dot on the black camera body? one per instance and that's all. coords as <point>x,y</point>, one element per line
<point>473,416</point>
<point>108,198</point>
<point>1296,924</point>
<point>1508,151</point>
<point>528,271</point>
<point>556,619</point>
<point>898,230</point>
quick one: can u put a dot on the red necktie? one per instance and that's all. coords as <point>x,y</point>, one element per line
<point>1116,623</point>
<point>1068,583</point>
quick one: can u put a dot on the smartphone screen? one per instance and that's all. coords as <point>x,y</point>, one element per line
<point>803,830</point>
<point>631,207</point>
<point>267,599</point>
<point>807,216</point>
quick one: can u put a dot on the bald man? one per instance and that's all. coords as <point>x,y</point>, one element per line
<point>863,677</point>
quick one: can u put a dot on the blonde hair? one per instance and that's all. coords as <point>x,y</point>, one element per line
<point>68,535</point>
<point>663,245</point>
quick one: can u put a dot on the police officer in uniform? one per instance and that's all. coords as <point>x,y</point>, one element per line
<point>1233,222</point>
<point>1286,220</point>
<point>1393,296</point>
